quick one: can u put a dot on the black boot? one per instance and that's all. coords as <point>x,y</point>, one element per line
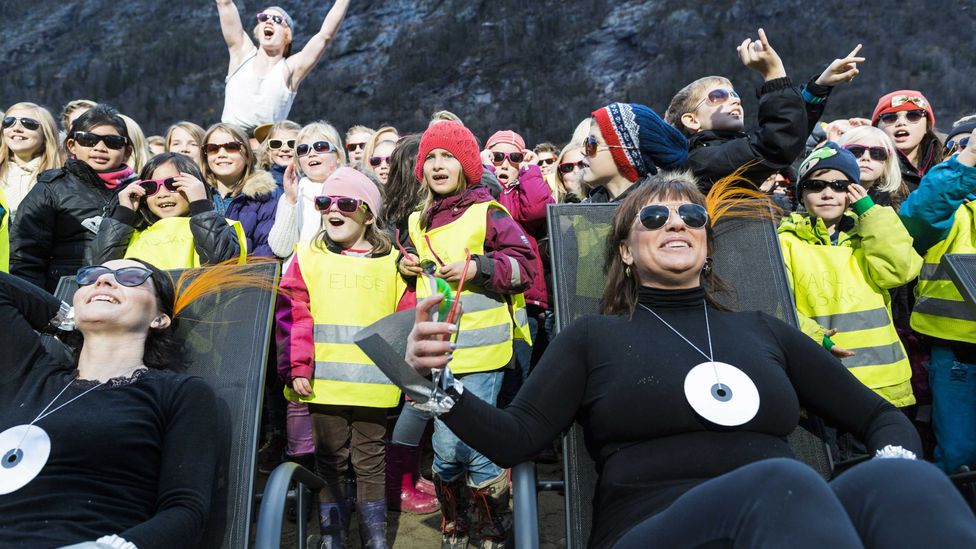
<point>372,524</point>
<point>455,501</point>
<point>494,517</point>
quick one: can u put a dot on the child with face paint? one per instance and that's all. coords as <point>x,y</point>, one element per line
<point>167,218</point>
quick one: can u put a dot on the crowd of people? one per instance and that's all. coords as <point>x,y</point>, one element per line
<point>369,222</point>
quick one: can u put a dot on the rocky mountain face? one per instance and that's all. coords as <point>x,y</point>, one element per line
<point>535,66</point>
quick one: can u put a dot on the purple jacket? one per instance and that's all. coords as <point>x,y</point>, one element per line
<point>255,208</point>
<point>505,243</point>
<point>526,199</point>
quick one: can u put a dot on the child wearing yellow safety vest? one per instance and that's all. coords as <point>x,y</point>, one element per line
<point>343,280</point>
<point>841,265</point>
<point>167,218</point>
<point>941,216</point>
<point>459,217</point>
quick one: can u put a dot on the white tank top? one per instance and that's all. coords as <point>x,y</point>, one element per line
<point>250,101</point>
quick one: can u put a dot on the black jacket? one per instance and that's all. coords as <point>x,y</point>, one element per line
<point>774,144</point>
<point>213,238</point>
<point>56,221</point>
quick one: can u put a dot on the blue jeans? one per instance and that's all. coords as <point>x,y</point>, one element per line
<point>953,409</point>
<point>453,458</point>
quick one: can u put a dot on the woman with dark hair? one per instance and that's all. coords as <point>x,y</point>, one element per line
<point>403,191</point>
<point>262,80</point>
<point>61,214</point>
<point>115,447</point>
<point>686,408</point>
<point>168,218</point>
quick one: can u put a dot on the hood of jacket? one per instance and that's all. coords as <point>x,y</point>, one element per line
<point>813,230</point>
<point>447,209</point>
<point>259,183</point>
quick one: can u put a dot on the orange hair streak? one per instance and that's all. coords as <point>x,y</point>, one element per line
<point>194,284</point>
<point>736,196</point>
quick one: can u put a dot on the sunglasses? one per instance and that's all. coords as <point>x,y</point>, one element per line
<point>911,116</point>
<point>344,204</point>
<point>318,146</point>
<point>276,19</point>
<point>88,139</point>
<point>567,167</point>
<point>153,186</point>
<point>428,267</point>
<point>376,161</point>
<point>126,276</point>
<point>27,123</point>
<point>655,216</point>
<point>498,158</point>
<point>547,161</point>
<point>818,185</point>
<point>877,153</point>
<point>591,146</point>
<point>230,147</point>
<point>952,146</point>
<point>275,144</point>
<point>717,97</point>
<point>352,147</point>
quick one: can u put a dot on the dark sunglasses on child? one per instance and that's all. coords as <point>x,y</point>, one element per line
<point>126,276</point>
<point>351,147</point>
<point>498,158</point>
<point>318,146</point>
<point>27,123</point>
<point>818,185</point>
<point>567,167</point>
<point>911,116</point>
<point>275,144</point>
<point>591,146</point>
<point>343,203</point>
<point>547,161</point>
<point>230,146</point>
<point>376,161</point>
<point>88,139</point>
<point>153,186</point>
<point>276,19</point>
<point>655,216</point>
<point>877,153</point>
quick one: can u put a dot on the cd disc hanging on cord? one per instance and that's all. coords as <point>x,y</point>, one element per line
<point>24,450</point>
<point>721,393</point>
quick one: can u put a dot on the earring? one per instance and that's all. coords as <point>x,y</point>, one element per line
<point>707,267</point>
<point>627,271</point>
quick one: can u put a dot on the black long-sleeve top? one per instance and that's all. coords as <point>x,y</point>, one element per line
<point>622,379</point>
<point>134,457</point>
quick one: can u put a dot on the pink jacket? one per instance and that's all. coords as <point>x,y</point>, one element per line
<point>526,199</point>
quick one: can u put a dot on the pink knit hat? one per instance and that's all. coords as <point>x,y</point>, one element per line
<point>903,100</point>
<point>354,184</point>
<point>459,141</point>
<point>506,136</point>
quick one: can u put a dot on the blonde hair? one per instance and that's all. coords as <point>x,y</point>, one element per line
<point>890,179</point>
<point>327,132</point>
<point>444,116</point>
<point>386,133</point>
<point>72,107</point>
<point>560,184</point>
<point>688,98</point>
<point>246,152</point>
<point>263,157</point>
<point>195,131</point>
<point>581,132</point>
<point>358,128</point>
<point>140,149</point>
<point>50,150</point>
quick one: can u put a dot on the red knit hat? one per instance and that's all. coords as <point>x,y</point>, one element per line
<point>506,136</point>
<point>456,139</point>
<point>903,100</point>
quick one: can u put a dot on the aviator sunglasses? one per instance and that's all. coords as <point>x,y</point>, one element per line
<point>27,123</point>
<point>911,116</point>
<point>655,216</point>
<point>717,97</point>
<point>89,139</point>
<point>344,204</point>
<point>591,146</point>
<point>126,276</point>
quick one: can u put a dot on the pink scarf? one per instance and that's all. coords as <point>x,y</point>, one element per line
<point>119,176</point>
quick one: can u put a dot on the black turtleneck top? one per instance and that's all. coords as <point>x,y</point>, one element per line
<point>622,378</point>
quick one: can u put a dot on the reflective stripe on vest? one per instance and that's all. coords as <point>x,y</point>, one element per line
<point>347,293</point>
<point>486,328</point>
<point>168,244</point>
<point>939,309</point>
<point>861,320</point>
<point>872,356</point>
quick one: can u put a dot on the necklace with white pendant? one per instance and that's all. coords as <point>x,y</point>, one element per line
<point>718,392</point>
<point>24,449</point>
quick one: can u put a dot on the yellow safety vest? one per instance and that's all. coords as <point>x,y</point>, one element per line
<point>168,244</point>
<point>4,234</point>
<point>832,287</point>
<point>939,310</point>
<point>487,328</point>
<point>347,293</point>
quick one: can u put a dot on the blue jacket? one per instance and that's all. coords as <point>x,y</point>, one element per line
<point>255,208</point>
<point>929,212</point>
